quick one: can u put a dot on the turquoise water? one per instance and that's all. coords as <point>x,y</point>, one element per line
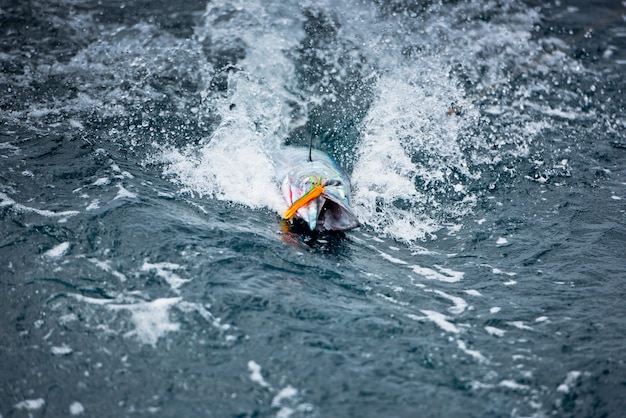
<point>144,267</point>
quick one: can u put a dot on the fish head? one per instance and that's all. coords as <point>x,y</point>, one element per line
<point>330,210</point>
<point>315,189</point>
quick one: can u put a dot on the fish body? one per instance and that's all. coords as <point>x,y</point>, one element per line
<point>315,189</point>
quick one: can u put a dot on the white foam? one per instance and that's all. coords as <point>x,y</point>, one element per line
<point>475,385</point>
<point>391,258</point>
<point>164,271</point>
<point>444,274</point>
<point>208,316</point>
<point>121,174</point>
<point>102,181</point>
<point>473,292</point>
<point>440,320</point>
<point>6,201</point>
<point>67,318</point>
<point>255,374</point>
<point>151,319</point>
<point>235,164</point>
<point>285,412</point>
<point>286,400</point>
<point>420,285</point>
<point>459,303</point>
<point>495,309</point>
<point>570,114</point>
<point>569,382</point>
<point>390,133</point>
<point>93,301</point>
<point>495,331</point>
<point>76,408</point>
<point>512,384</point>
<point>453,229</point>
<point>474,353</point>
<point>288,392</point>
<point>76,124</point>
<point>498,271</point>
<point>95,204</point>
<point>30,404</point>
<point>519,325</point>
<point>106,266</point>
<point>62,350</point>
<point>123,193</point>
<point>58,250</point>
<point>501,241</point>
<point>410,149</point>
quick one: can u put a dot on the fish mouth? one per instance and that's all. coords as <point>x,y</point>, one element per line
<point>328,213</point>
<point>335,216</point>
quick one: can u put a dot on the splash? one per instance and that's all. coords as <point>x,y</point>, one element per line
<point>249,48</point>
<point>410,163</point>
<point>375,81</point>
<point>234,163</point>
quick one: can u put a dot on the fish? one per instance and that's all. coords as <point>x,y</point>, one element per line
<point>315,190</point>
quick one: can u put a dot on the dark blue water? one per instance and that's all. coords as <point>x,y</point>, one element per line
<point>144,270</point>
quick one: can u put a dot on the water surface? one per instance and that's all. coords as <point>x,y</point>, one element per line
<point>143,265</point>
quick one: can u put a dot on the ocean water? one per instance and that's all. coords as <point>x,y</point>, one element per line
<point>144,267</point>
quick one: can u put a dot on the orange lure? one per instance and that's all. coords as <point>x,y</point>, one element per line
<point>312,194</point>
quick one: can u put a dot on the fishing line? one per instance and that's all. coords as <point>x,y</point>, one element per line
<point>614,15</point>
<point>311,143</point>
